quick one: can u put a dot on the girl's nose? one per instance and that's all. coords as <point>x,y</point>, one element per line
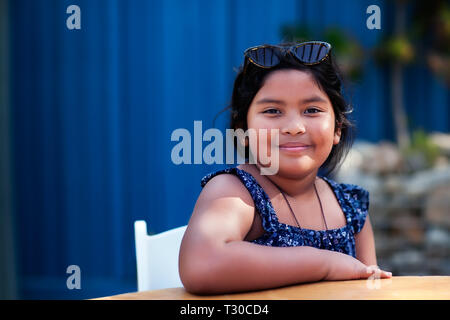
<point>294,126</point>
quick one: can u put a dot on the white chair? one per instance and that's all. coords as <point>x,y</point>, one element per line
<point>157,257</point>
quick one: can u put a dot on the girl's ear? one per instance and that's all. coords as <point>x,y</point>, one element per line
<point>337,135</point>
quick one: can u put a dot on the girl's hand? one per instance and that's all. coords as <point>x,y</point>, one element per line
<point>345,267</point>
<point>379,274</point>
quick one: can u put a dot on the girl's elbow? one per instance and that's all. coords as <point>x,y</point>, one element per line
<point>201,269</point>
<point>195,278</point>
<point>196,269</point>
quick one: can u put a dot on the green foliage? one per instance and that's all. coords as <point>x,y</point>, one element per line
<point>296,33</point>
<point>422,145</point>
<point>348,51</point>
<point>395,49</point>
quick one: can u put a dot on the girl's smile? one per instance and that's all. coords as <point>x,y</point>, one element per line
<point>293,148</point>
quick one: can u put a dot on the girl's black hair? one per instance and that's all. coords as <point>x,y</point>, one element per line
<point>327,76</point>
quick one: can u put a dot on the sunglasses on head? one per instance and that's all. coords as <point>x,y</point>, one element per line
<point>308,53</point>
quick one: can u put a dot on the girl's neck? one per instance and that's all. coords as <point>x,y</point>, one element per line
<point>298,187</point>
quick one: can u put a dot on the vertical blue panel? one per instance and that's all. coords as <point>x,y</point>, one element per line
<point>114,207</point>
<point>439,113</point>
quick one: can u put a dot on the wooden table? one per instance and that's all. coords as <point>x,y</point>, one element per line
<point>417,288</point>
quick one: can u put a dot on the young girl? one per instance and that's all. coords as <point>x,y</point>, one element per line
<point>252,231</point>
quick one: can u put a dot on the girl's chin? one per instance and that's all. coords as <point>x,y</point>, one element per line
<point>296,165</point>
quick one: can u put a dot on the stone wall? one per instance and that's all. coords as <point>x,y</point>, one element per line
<point>409,209</point>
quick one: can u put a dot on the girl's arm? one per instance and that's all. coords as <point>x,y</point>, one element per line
<point>214,258</point>
<point>365,245</point>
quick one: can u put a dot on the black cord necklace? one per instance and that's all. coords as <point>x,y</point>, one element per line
<point>292,211</point>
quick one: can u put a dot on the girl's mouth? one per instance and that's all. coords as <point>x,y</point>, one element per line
<point>294,147</point>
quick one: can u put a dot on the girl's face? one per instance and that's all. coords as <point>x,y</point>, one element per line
<point>291,102</point>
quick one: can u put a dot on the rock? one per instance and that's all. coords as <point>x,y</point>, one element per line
<point>352,161</point>
<point>387,244</point>
<point>438,266</point>
<point>442,141</point>
<point>369,182</point>
<point>408,227</point>
<point>415,161</point>
<point>442,162</point>
<point>408,262</point>
<point>437,207</point>
<point>379,216</point>
<point>421,182</point>
<point>394,184</point>
<point>438,242</point>
<point>383,159</point>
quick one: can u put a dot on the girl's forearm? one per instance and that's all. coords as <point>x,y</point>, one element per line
<point>242,266</point>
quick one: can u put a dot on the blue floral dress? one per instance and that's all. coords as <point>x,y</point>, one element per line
<point>353,200</point>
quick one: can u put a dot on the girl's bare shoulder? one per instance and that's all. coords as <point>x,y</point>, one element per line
<point>225,186</point>
<point>224,210</point>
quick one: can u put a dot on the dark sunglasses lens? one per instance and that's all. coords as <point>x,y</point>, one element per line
<point>265,57</point>
<point>311,52</point>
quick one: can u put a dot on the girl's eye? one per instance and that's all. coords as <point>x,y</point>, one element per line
<point>271,111</point>
<point>312,110</point>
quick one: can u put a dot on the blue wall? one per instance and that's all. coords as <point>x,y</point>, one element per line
<point>93,111</point>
